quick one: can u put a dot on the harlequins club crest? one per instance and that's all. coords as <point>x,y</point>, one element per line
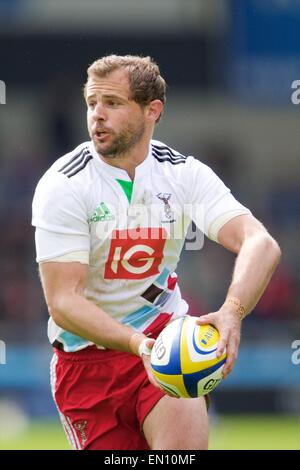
<point>169,214</point>
<point>80,426</point>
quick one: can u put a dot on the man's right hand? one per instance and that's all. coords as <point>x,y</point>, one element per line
<point>146,358</point>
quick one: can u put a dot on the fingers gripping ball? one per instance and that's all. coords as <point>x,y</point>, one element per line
<point>183,359</point>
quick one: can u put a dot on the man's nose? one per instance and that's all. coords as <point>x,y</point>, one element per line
<point>99,112</point>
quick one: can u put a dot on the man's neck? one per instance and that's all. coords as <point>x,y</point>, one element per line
<point>129,161</point>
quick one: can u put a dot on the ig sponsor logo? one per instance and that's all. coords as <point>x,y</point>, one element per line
<point>134,254</point>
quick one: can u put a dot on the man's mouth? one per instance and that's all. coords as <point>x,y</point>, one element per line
<point>101,133</point>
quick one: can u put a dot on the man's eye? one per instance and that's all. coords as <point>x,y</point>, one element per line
<point>112,103</point>
<point>91,104</point>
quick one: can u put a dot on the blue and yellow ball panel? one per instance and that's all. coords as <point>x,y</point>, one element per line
<point>173,383</point>
<point>198,345</point>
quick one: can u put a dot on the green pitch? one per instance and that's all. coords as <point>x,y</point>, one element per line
<point>255,432</point>
<point>242,432</point>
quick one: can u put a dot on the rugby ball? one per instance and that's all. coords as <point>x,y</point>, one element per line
<point>183,358</point>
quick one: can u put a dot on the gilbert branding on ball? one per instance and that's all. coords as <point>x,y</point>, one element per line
<point>183,358</point>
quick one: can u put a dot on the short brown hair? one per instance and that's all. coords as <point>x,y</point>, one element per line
<point>146,83</point>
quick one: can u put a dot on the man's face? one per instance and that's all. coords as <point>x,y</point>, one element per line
<point>116,123</point>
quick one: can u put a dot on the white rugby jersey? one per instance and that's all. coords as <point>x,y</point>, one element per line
<point>129,233</point>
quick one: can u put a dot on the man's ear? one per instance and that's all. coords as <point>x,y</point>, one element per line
<point>154,110</point>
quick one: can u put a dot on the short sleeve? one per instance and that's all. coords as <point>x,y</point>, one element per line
<point>60,218</point>
<point>209,202</point>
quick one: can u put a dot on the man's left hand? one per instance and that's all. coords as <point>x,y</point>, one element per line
<point>228,324</point>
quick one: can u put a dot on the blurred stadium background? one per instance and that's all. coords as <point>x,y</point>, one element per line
<point>230,66</point>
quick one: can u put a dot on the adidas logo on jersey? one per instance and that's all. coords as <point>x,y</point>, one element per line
<point>102,214</point>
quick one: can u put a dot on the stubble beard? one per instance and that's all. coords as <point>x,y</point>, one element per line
<point>123,142</point>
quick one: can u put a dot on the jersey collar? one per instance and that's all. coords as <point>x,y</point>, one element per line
<point>141,170</point>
